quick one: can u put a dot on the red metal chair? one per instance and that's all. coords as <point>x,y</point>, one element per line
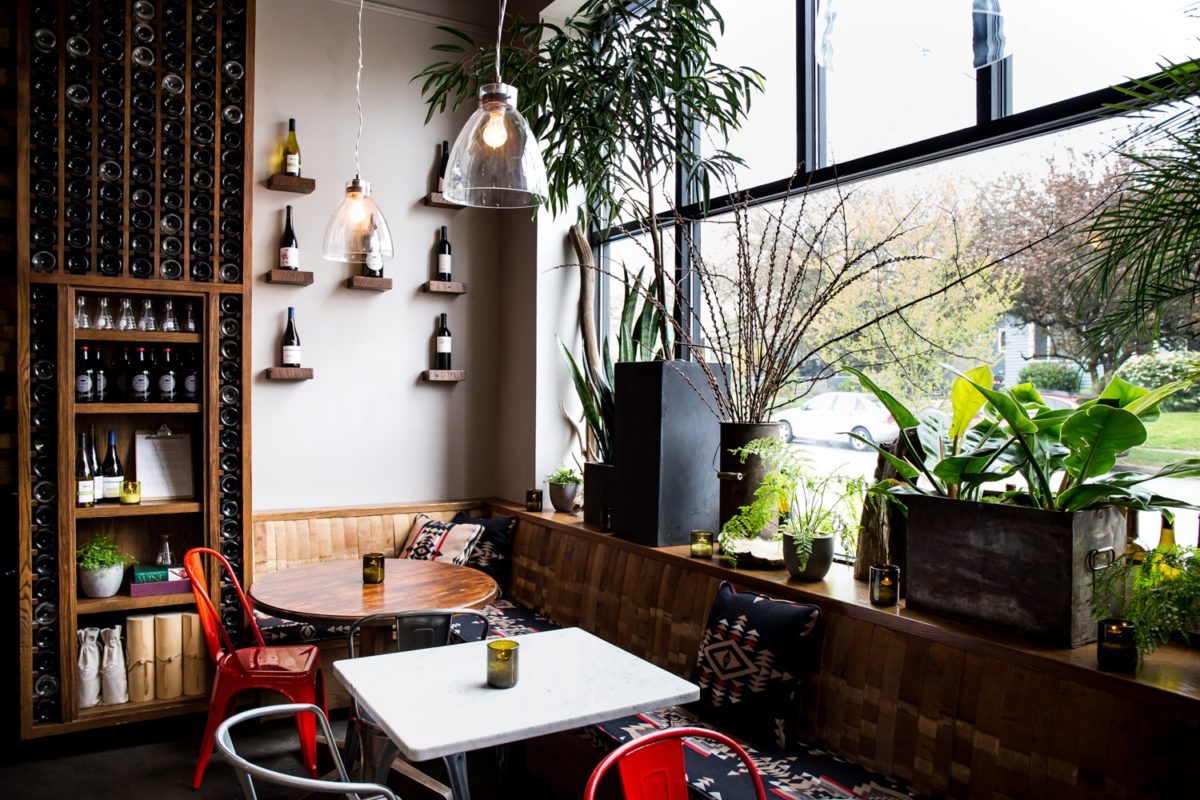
<point>651,768</point>
<point>292,671</point>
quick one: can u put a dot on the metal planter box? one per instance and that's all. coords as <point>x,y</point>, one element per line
<point>1022,569</point>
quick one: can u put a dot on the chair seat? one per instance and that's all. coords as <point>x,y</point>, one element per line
<point>279,662</point>
<point>715,771</point>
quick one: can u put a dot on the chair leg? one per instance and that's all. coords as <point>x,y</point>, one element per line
<point>306,727</point>
<point>456,765</point>
<point>350,753</point>
<point>385,754</point>
<point>218,710</point>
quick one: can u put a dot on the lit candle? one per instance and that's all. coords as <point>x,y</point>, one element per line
<point>373,568</point>
<point>502,664</point>
<point>884,588</point>
<point>1116,646</point>
<point>533,500</point>
<point>131,493</point>
<point>702,544</point>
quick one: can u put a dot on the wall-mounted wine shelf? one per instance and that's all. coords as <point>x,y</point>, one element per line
<point>290,277</point>
<point>369,284</point>
<point>289,373</point>
<point>444,287</point>
<point>444,375</point>
<point>291,183</point>
<point>438,200</point>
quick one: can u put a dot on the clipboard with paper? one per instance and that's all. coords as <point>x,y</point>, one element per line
<point>164,464</point>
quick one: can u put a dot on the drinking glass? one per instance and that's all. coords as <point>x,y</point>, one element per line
<point>104,318</point>
<point>82,320</point>
<point>147,322</point>
<point>169,323</point>
<point>125,322</point>
<point>502,664</point>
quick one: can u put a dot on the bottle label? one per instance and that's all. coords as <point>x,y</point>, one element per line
<point>289,258</point>
<point>291,164</point>
<point>166,384</point>
<point>141,384</point>
<point>83,384</point>
<point>85,492</point>
<point>374,262</point>
<point>189,384</point>
<point>291,354</point>
<point>444,265</point>
<point>101,383</point>
<point>97,487</point>
<point>112,486</point>
<point>443,344</point>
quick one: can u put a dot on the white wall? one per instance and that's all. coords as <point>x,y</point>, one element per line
<point>365,430</point>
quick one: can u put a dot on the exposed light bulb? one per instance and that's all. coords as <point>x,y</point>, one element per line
<point>356,212</point>
<point>495,133</point>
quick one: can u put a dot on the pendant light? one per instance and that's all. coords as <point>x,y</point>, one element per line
<point>495,162</point>
<point>357,231</point>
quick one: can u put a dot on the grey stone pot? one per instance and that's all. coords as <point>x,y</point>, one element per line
<point>103,582</point>
<point>819,561</point>
<point>562,496</point>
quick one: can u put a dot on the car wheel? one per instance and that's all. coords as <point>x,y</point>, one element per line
<point>864,433</point>
<point>786,427</point>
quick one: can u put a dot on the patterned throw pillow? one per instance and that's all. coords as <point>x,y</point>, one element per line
<point>430,540</point>
<point>493,552</point>
<point>749,663</point>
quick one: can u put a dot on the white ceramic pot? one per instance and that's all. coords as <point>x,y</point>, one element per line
<point>103,582</point>
<point>562,496</point>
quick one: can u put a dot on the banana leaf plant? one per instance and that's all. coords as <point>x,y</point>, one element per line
<point>595,384</point>
<point>1064,457</point>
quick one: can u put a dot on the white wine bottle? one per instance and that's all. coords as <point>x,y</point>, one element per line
<point>443,268</point>
<point>444,346</point>
<point>114,474</point>
<point>85,487</point>
<point>291,151</point>
<point>289,245</point>
<point>291,341</point>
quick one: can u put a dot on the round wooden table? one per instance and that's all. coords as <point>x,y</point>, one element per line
<point>332,592</point>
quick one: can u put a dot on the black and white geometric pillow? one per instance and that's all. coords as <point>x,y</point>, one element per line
<point>493,551</point>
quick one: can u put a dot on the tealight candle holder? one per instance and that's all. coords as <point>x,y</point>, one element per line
<point>373,568</point>
<point>885,584</point>
<point>606,515</point>
<point>502,664</point>
<point>702,544</point>
<point>131,493</point>
<point>533,500</point>
<point>1116,645</point>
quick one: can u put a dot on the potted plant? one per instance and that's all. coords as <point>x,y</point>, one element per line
<point>564,486</point>
<point>101,566</point>
<point>1160,594</point>
<point>1019,558</point>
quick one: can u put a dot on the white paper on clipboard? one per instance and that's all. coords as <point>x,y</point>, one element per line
<point>163,461</point>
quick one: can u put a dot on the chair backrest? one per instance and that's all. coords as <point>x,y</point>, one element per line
<point>215,635</point>
<point>416,630</point>
<point>651,767</point>
<point>247,771</point>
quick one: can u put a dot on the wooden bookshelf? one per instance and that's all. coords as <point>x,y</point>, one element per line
<point>146,508</point>
<point>123,602</point>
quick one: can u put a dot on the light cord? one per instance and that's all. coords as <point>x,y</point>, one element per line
<point>358,93</point>
<point>499,34</point>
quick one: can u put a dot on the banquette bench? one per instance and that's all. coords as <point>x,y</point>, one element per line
<point>949,709</point>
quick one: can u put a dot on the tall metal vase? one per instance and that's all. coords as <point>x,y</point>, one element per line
<point>740,480</point>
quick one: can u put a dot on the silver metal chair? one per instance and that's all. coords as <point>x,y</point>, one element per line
<point>411,630</point>
<point>247,771</point>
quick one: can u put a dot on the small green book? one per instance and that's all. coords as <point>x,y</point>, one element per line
<point>153,573</point>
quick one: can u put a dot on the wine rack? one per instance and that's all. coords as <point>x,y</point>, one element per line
<point>133,129</point>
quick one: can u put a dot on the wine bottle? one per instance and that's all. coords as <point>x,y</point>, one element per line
<point>166,377</point>
<point>139,377</point>
<point>442,167</point>
<point>442,360</point>
<point>289,246</point>
<point>291,341</point>
<point>121,374</point>
<point>443,267</point>
<point>372,263</point>
<point>291,151</point>
<point>191,379</point>
<point>112,470</point>
<point>85,384</point>
<point>94,463</point>
<point>85,487</point>
<point>99,378</point>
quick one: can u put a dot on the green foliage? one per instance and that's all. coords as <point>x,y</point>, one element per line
<point>1051,377</point>
<point>1161,595</point>
<point>1159,369</point>
<point>101,552</point>
<point>565,476</point>
<point>1019,435</point>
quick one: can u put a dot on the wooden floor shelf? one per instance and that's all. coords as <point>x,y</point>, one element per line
<point>123,602</point>
<point>148,337</point>
<point>144,509</point>
<point>129,712</point>
<point>137,408</point>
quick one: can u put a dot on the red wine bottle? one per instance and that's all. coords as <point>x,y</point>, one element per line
<point>443,268</point>
<point>85,378</point>
<point>444,346</point>
<point>291,341</point>
<point>442,167</point>
<point>289,246</point>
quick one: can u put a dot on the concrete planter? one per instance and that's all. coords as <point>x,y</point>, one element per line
<point>103,582</point>
<point>819,561</point>
<point>562,496</point>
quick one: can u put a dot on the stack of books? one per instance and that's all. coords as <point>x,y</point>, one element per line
<point>150,579</point>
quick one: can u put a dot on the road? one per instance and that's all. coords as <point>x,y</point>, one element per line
<point>829,458</point>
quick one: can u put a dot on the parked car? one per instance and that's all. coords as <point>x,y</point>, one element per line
<point>1058,400</point>
<point>832,415</point>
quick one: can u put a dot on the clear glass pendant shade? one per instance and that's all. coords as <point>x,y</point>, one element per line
<point>357,231</point>
<point>495,162</point>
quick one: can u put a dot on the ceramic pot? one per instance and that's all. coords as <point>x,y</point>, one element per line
<point>562,496</point>
<point>103,582</point>
<point>819,561</point>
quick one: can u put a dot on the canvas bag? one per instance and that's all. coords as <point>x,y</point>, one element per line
<point>112,668</point>
<point>89,667</point>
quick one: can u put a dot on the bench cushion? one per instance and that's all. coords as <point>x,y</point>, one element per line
<point>276,630</point>
<point>714,771</point>
<point>492,554</point>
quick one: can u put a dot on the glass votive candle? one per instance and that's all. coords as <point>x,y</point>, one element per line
<point>373,568</point>
<point>702,544</point>
<point>1116,646</point>
<point>885,584</point>
<point>502,664</point>
<point>606,519</point>
<point>533,500</point>
<point>131,492</point>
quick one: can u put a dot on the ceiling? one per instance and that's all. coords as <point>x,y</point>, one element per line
<point>478,12</point>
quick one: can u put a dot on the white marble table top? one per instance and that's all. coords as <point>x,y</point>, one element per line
<point>435,702</point>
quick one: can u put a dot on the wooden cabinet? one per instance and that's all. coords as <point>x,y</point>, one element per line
<point>134,176</point>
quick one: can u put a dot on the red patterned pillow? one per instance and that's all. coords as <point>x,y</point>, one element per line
<point>749,664</point>
<point>430,540</point>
